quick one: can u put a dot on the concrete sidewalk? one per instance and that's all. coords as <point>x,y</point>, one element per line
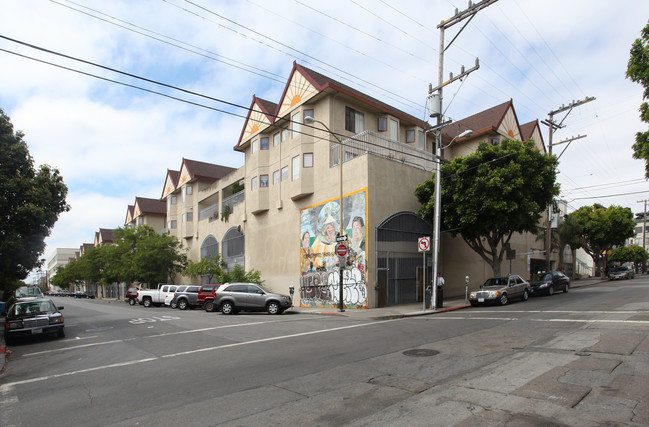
<point>384,313</point>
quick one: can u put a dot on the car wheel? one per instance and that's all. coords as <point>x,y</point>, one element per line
<point>209,306</point>
<point>273,308</point>
<point>227,308</point>
<point>182,304</point>
<point>61,333</point>
<point>565,289</point>
<point>173,304</point>
<point>147,302</point>
<point>503,299</point>
<point>131,301</point>
<point>551,290</point>
<point>525,296</point>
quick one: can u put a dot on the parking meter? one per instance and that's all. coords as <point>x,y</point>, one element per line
<point>466,289</point>
<point>291,290</point>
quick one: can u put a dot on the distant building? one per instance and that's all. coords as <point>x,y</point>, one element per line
<point>58,258</point>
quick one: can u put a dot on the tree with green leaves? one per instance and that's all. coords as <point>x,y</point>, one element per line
<point>602,229</point>
<point>211,267</point>
<point>239,274</point>
<point>638,71</point>
<point>635,254</point>
<point>489,195</point>
<point>31,201</point>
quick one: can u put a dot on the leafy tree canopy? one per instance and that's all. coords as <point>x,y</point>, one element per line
<point>31,201</point>
<point>491,194</point>
<point>635,254</point>
<point>210,266</point>
<point>603,228</point>
<point>638,72</point>
<point>239,274</point>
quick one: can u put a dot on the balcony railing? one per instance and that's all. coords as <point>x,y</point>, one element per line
<point>234,199</point>
<point>371,143</point>
<point>208,213</point>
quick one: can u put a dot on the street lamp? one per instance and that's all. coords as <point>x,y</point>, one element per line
<point>311,120</point>
<point>438,206</point>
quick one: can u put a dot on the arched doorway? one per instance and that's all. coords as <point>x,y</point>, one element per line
<point>234,248</point>
<point>209,248</point>
<point>398,258</point>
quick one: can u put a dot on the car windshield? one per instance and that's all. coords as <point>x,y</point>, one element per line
<point>33,308</point>
<point>543,277</point>
<point>496,281</point>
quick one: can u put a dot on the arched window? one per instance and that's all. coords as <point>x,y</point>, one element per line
<point>234,247</point>
<point>209,247</point>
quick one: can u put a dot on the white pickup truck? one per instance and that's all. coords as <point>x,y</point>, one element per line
<point>155,297</point>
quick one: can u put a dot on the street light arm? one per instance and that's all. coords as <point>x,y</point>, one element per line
<point>465,134</point>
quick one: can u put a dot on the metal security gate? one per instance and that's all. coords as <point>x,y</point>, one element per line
<point>397,258</point>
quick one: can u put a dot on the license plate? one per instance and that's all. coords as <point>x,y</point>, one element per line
<point>480,299</point>
<point>37,331</point>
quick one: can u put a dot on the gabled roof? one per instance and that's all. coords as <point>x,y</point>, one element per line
<point>171,181</point>
<point>104,235</point>
<point>129,214</point>
<point>193,169</point>
<point>260,113</point>
<point>304,84</point>
<point>148,206</point>
<point>532,130</point>
<point>500,119</point>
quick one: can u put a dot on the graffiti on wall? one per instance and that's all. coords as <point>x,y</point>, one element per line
<point>319,264</point>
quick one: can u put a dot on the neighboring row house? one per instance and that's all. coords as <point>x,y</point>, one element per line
<point>280,213</point>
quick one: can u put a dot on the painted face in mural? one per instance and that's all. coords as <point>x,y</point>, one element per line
<point>358,229</point>
<point>306,240</point>
<point>330,233</point>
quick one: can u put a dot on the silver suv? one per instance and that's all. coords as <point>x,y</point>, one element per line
<point>231,298</point>
<point>501,290</point>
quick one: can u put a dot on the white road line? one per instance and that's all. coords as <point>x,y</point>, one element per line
<point>7,386</point>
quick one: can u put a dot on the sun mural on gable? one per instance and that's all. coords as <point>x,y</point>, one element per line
<point>255,123</point>
<point>169,187</point>
<point>509,125</point>
<point>298,91</point>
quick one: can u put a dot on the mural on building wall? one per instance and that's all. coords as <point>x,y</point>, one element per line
<point>319,266</point>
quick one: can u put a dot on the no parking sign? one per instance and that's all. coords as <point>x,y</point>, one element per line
<point>423,244</point>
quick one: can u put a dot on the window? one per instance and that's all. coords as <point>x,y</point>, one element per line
<point>394,130</point>
<point>276,177</point>
<point>140,221</point>
<point>354,121</point>
<point>383,124</point>
<point>263,142</point>
<point>296,125</point>
<point>253,183</point>
<point>295,166</point>
<point>284,173</point>
<point>308,160</point>
<point>190,216</point>
<point>255,146</point>
<point>410,136</point>
<point>174,200</point>
<point>284,134</point>
<point>174,224</point>
<point>209,247</point>
<point>308,113</point>
<point>276,139</point>
<point>421,140</point>
<point>263,180</point>
<point>189,190</point>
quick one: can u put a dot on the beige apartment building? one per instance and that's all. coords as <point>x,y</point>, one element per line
<point>280,213</point>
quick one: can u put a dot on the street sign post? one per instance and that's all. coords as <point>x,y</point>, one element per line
<point>341,250</point>
<point>423,244</point>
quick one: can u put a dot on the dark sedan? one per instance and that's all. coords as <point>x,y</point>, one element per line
<point>549,283</point>
<point>36,316</point>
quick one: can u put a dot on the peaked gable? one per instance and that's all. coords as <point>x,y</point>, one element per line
<point>260,115</point>
<point>298,90</point>
<point>193,169</point>
<point>129,214</point>
<point>171,181</point>
<point>499,119</point>
<point>148,206</point>
<point>532,130</point>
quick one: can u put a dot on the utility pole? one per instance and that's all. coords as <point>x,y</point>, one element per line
<point>552,125</point>
<point>436,110</point>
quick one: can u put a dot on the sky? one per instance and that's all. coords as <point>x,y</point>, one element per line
<point>113,136</point>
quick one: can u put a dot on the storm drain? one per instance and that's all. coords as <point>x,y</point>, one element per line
<point>420,352</point>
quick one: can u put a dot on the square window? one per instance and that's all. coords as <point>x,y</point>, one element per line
<point>255,146</point>
<point>308,160</point>
<point>253,183</point>
<point>284,173</point>
<point>308,113</point>
<point>263,181</point>
<point>354,120</point>
<point>190,216</point>
<point>410,136</point>
<point>383,124</point>
<point>285,134</point>
<point>276,139</point>
<point>174,224</point>
<point>174,200</point>
<point>263,143</point>
<point>276,177</point>
<point>189,190</point>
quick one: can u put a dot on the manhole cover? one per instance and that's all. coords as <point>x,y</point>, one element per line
<point>420,352</point>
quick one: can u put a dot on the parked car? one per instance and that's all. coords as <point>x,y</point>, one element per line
<point>33,316</point>
<point>501,290</point>
<point>83,295</point>
<point>548,283</point>
<point>234,297</point>
<point>206,296</point>
<point>157,296</point>
<point>622,272</point>
<point>187,298</point>
<point>170,295</point>
<point>131,296</point>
